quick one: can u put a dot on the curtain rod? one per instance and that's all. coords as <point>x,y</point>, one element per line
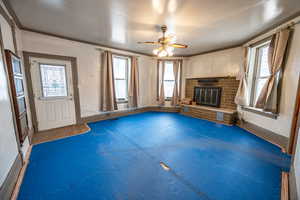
<point>290,24</point>
<point>117,53</point>
<point>137,55</point>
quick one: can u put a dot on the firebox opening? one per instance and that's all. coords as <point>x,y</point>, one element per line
<point>208,96</point>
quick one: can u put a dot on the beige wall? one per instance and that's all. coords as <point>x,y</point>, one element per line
<point>216,64</point>
<point>296,165</point>
<point>8,144</point>
<point>88,59</point>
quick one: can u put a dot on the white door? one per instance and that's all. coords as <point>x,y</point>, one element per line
<point>53,93</point>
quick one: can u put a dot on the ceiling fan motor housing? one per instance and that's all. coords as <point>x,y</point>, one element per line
<point>164,28</point>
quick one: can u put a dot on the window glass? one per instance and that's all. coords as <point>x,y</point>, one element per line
<point>120,65</point>
<point>260,71</point>
<point>53,78</point>
<point>169,75</point>
<point>16,66</point>
<point>259,86</point>
<point>168,79</point>
<point>263,68</point>
<point>19,86</point>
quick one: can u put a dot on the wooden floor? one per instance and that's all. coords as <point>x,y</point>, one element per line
<point>58,133</point>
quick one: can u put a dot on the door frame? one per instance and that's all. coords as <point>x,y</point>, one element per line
<point>295,123</point>
<point>26,56</point>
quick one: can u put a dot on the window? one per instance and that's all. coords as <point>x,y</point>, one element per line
<point>121,73</point>
<point>260,70</point>
<point>53,79</point>
<point>168,80</point>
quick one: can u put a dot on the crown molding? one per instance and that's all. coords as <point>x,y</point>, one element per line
<point>83,41</point>
<point>12,13</point>
<point>8,6</point>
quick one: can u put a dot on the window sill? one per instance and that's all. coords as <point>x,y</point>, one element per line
<point>260,112</point>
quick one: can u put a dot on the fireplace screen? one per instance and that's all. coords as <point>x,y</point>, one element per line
<point>209,96</point>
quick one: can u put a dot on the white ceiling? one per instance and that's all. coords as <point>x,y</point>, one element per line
<point>202,24</point>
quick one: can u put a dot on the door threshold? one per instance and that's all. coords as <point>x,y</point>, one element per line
<point>59,133</point>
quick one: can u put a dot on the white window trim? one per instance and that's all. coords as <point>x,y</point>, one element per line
<point>251,79</point>
<point>127,71</point>
<point>169,80</point>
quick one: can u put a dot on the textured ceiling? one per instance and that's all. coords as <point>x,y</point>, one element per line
<point>202,24</point>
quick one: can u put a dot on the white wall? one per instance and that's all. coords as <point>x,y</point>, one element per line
<point>8,144</point>
<point>216,64</point>
<point>88,60</point>
<point>282,124</point>
<point>297,164</point>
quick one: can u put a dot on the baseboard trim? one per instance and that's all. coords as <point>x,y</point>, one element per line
<point>292,185</point>
<point>20,178</point>
<point>30,135</point>
<point>121,113</point>
<point>274,138</point>
<point>9,183</point>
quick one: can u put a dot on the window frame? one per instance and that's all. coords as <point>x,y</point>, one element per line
<point>127,71</point>
<point>169,61</point>
<point>253,63</point>
<point>159,64</point>
<point>256,69</point>
<point>41,82</point>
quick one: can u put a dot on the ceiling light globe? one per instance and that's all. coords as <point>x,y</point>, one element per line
<point>155,51</point>
<point>163,53</point>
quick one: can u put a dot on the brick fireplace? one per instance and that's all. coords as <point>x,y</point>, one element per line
<point>229,86</point>
<point>208,105</point>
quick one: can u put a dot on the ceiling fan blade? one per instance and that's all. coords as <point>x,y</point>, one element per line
<point>148,42</point>
<point>175,45</point>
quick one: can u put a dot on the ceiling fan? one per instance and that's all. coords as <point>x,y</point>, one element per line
<point>166,45</point>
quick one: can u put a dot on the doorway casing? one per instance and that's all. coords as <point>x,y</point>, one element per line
<point>26,56</point>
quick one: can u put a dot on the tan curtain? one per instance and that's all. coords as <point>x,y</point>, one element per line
<point>161,71</point>
<point>133,84</point>
<point>107,98</point>
<point>241,97</point>
<point>175,97</point>
<point>268,96</point>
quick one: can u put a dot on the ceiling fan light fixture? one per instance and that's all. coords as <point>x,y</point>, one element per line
<point>162,53</point>
<point>170,53</point>
<point>156,51</point>
<point>167,44</point>
<point>170,49</point>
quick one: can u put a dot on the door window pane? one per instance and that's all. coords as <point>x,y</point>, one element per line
<point>53,80</point>
<point>21,104</point>
<point>19,86</point>
<point>16,66</point>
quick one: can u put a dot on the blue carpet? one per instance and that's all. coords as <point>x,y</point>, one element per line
<point>120,159</point>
